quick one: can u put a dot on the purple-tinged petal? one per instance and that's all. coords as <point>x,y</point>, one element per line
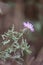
<point>29,26</point>
<point>32,29</point>
<point>25,24</point>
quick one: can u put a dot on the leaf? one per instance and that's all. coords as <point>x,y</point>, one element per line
<point>6,42</point>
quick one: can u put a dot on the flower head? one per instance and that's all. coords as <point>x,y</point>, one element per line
<point>29,26</point>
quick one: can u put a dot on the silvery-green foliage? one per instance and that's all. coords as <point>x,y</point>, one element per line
<point>12,38</point>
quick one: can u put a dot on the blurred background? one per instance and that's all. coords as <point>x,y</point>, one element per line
<point>17,11</point>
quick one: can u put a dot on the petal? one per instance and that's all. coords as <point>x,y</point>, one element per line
<point>32,29</point>
<point>29,26</point>
<point>25,24</point>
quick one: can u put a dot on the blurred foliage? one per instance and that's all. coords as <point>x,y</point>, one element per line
<point>11,4</point>
<point>38,26</point>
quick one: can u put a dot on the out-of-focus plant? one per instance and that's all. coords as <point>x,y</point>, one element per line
<point>15,43</point>
<point>38,26</point>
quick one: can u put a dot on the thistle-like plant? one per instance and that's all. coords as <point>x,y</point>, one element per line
<point>15,43</point>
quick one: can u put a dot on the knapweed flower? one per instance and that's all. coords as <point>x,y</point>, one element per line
<point>29,26</point>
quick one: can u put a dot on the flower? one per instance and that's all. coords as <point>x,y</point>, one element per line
<point>29,26</point>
